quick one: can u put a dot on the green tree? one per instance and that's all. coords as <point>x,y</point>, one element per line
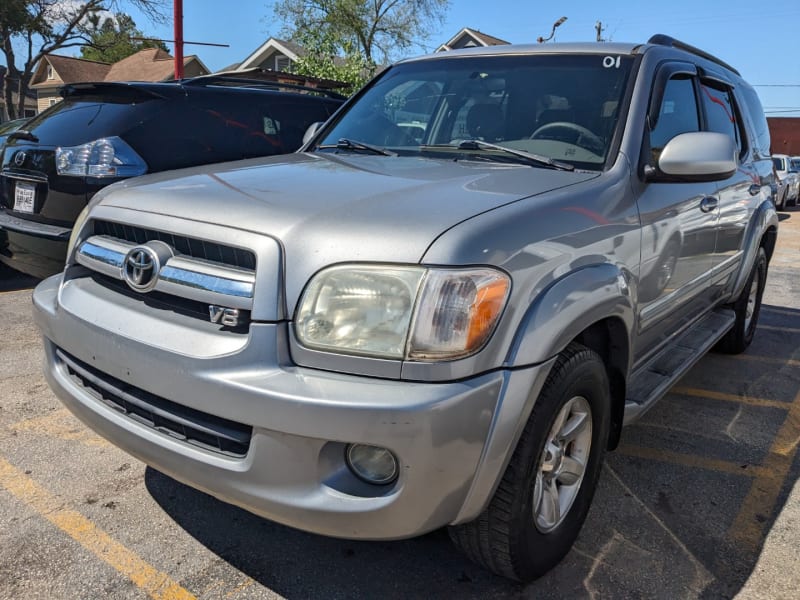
<point>114,40</point>
<point>39,27</point>
<point>379,29</point>
<point>323,59</point>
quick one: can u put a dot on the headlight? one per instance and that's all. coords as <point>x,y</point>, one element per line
<point>80,221</point>
<point>397,312</point>
<point>106,157</point>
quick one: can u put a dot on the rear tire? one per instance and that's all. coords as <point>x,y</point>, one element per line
<point>747,308</point>
<point>542,500</point>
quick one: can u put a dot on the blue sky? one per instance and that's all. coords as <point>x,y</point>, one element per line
<point>761,39</point>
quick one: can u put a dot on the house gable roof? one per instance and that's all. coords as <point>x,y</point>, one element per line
<point>289,49</point>
<point>478,37</point>
<point>151,64</point>
<point>68,70</point>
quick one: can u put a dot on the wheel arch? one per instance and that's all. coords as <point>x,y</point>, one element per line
<point>590,306</point>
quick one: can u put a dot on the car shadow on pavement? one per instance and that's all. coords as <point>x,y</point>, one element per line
<point>12,281</point>
<point>684,509</point>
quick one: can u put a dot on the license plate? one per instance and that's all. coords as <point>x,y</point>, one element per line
<point>24,195</point>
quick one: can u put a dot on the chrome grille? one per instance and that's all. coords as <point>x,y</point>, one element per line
<point>192,247</point>
<point>180,275</point>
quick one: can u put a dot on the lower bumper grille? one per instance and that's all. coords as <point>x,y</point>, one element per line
<point>170,418</point>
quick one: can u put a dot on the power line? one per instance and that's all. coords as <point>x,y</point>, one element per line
<point>797,85</point>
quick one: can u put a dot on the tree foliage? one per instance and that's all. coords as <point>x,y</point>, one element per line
<point>379,29</point>
<point>113,39</point>
<point>36,28</point>
<point>323,59</point>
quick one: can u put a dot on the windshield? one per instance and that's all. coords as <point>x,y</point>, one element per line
<point>563,107</point>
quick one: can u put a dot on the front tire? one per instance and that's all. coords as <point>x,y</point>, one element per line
<point>542,500</point>
<point>747,308</point>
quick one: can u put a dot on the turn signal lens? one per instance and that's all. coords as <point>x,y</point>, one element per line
<point>457,313</point>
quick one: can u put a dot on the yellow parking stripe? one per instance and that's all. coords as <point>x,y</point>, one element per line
<point>789,362</point>
<point>155,583</point>
<point>62,425</point>
<point>778,328</point>
<point>760,402</point>
<point>757,508</point>
<point>691,460</point>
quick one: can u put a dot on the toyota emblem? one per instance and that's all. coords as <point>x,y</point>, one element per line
<point>140,269</point>
<point>19,158</point>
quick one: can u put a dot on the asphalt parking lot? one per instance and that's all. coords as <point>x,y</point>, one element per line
<point>700,501</point>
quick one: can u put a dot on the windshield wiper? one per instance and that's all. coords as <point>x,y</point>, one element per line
<point>527,157</point>
<point>22,134</point>
<point>356,146</point>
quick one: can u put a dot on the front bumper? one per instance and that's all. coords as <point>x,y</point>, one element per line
<point>293,471</point>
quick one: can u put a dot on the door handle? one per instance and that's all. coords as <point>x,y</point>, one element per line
<point>754,189</point>
<point>708,204</point>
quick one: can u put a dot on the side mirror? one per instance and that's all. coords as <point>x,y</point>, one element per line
<point>311,131</point>
<point>696,156</point>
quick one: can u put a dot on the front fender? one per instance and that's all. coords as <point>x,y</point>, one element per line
<point>570,306</point>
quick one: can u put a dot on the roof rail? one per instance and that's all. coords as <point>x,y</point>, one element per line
<point>246,82</point>
<point>664,40</point>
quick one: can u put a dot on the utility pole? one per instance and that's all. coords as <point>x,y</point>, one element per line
<point>178,26</point>
<point>598,27</point>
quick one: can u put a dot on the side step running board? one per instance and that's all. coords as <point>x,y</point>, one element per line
<point>655,378</point>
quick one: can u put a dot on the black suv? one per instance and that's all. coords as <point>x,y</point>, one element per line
<point>105,132</point>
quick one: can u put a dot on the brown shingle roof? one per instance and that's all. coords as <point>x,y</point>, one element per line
<point>152,64</point>
<point>76,70</point>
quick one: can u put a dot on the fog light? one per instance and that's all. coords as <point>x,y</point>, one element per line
<point>371,463</point>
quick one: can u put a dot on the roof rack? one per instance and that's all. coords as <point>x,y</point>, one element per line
<point>248,82</point>
<point>664,40</point>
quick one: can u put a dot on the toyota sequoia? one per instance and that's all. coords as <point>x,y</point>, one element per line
<point>442,310</point>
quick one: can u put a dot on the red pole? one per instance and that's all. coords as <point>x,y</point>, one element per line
<point>178,18</point>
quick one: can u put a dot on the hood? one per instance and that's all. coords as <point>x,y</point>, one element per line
<point>342,207</point>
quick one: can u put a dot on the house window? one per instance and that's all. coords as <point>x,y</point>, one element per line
<point>50,73</point>
<point>52,101</point>
<point>282,63</point>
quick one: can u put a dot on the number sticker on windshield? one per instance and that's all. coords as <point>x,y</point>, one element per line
<point>610,61</point>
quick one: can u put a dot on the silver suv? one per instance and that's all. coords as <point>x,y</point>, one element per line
<point>443,309</point>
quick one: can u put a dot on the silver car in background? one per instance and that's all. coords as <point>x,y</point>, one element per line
<point>789,173</point>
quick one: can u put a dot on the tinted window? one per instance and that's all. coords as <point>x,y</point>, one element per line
<point>720,112</point>
<point>215,126</point>
<point>86,118</point>
<point>779,164</point>
<point>678,113</point>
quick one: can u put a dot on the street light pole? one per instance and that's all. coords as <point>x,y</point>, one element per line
<point>556,25</point>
